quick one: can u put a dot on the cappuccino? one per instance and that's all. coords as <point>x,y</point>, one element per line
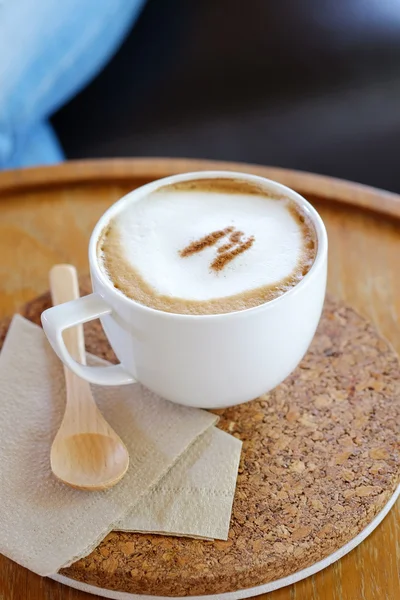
<point>207,246</point>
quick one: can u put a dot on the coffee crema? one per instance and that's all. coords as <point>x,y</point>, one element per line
<point>207,246</point>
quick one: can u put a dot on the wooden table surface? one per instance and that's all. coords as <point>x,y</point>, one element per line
<point>46,217</point>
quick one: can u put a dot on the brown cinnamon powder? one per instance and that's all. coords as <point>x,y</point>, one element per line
<point>223,259</point>
<point>236,236</point>
<point>225,247</point>
<point>226,252</point>
<point>209,240</point>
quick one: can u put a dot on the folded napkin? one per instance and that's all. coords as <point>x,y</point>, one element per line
<point>46,525</point>
<point>195,497</point>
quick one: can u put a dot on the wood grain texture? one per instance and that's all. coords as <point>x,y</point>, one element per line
<point>46,218</point>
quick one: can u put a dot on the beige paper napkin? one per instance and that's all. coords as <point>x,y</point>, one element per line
<point>195,497</point>
<point>44,524</point>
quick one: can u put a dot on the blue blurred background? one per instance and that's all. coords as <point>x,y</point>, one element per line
<point>310,84</point>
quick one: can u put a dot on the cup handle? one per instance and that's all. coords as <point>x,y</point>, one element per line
<point>76,312</point>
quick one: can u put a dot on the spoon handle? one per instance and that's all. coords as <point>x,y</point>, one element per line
<point>64,287</point>
<point>81,414</point>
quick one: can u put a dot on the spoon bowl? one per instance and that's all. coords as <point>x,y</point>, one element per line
<point>89,461</point>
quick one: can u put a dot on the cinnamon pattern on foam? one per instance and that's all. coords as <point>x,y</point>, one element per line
<point>225,253</point>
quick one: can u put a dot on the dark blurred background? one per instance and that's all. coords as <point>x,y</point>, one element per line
<point>303,84</point>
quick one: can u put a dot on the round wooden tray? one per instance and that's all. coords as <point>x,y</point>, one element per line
<point>47,215</point>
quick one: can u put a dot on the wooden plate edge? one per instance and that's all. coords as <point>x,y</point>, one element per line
<point>126,169</point>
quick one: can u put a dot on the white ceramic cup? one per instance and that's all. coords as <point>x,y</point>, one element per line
<point>207,361</point>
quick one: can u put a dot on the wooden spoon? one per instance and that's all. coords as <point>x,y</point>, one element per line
<point>86,452</point>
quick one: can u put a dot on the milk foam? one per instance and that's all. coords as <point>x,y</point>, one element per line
<point>154,230</point>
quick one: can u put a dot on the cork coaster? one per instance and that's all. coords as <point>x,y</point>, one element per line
<point>320,460</point>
